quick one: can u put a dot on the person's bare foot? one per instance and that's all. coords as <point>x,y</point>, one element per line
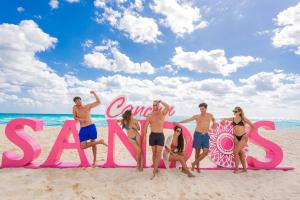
<point>190,175</point>
<point>101,142</point>
<point>154,174</point>
<point>184,171</point>
<point>198,170</point>
<point>244,171</point>
<point>94,164</point>
<point>193,166</point>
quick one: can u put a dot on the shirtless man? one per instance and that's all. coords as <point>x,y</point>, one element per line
<point>88,129</point>
<point>201,137</point>
<point>156,139</point>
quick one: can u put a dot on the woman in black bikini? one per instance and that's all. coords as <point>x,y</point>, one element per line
<point>240,136</point>
<point>132,128</point>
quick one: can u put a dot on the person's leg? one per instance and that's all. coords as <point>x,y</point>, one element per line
<point>153,160</point>
<point>242,156</point>
<point>181,159</point>
<point>139,142</point>
<point>138,152</point>
<point>157,157</point>
<point>85,144</point>
<point>197,153</point>
<point>94,149</point>
<point>236,155</point>
<point>243,160</point>
<point>201,156</point>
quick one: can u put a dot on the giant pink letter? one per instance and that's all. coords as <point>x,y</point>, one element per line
<point>14,131</point>
<point>62,143</point>
<point>114,128</point>
<point>274,153</point>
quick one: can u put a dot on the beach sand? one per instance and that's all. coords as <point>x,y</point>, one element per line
<point>127,183</point>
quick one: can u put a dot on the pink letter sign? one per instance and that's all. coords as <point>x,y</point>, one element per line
<point>274,154</point>
<point>15,132</point>
<point>221,146</point>
<point>62,143</point>
<point>118,106</point>
<point>114,128</point>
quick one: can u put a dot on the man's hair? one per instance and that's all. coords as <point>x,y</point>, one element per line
<point>75,98</point>
<point>203,105</point>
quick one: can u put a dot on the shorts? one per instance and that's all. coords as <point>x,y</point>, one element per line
<point>156,139</point>
<point>201,140</point>
<point>88,133</point>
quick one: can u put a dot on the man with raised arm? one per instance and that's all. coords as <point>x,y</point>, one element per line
<point>88,131</point>
<point>156,139</point>
<point>201,136</point>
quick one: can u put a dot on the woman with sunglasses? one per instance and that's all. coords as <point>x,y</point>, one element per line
<point>239,122</point>
<point>132,127</point>
<point>174,150</point>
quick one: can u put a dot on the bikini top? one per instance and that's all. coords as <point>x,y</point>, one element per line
<point>173,146</point>
<point>240,123</point>
<point>126,126</point>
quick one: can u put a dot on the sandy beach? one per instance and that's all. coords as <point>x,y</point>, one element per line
<point>127,183</point>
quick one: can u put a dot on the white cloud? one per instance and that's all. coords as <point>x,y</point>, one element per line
<point>30,85</point>
<point>21,70</point>
<point>127,18</point>
<point>288,32</point>
<point>213,61</point>
<point>20,9</point>
<point>138,28</point>
<point>182,17</point>
<point>87,43</point>
<point>53,4</point>
<point>73,1</point>
<point>99,3</point>
<point>109,58</point>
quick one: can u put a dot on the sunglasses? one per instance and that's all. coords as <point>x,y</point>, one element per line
<point>178,131</point>
<point>154,105</point>
<point>235,111</point>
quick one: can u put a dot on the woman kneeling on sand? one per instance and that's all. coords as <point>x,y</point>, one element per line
<point>174,150</point>
<point>132,127</point>
<point>239,122</point>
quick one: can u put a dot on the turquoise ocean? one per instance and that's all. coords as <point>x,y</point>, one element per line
<point>100,120</point>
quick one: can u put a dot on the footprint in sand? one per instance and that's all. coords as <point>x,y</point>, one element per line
<point>49,188</point>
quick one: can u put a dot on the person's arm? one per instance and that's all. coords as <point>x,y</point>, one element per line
<point>75,115</point>
<point>137,125</point>
<point>166,107</point>
<point>146,127</point>
<point>214,125</point>
<point>226,119</point>
<point>252,127</point>
<point>175,141</point>
<point>188,120</point>
<point>168,144</point>
<point>96,103</point>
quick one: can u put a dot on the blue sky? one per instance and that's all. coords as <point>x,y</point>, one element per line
<point>246,30</point>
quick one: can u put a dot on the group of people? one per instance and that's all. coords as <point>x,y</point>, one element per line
<point>173,148</point>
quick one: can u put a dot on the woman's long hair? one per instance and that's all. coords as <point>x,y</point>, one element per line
<point>126,118</point>
<point>242,115</point>
<point>180,145</point>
